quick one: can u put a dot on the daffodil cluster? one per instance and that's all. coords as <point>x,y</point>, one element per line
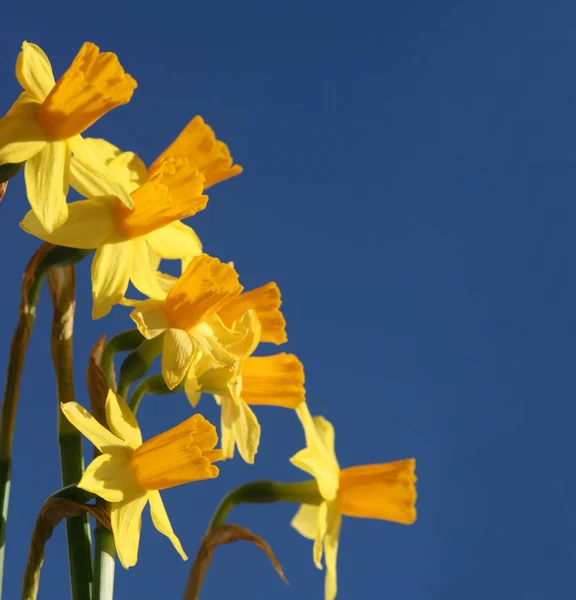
<point>207,325</point>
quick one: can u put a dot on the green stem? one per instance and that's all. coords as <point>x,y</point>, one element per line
<point>104,548</point>
<point>138,363</point>
<point>258,492</point>
<point>121,342</point>
<point>105,552</point>
<point>61,282</point>
<point>44,258</point>
<point>151,385</point>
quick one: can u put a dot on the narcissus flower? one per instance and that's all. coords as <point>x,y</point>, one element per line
<point>187,317</point>
<point>238,326</point>
<point>128,241</point>
<point>129,473</point>
<point>172,241</point>
<point>381,491</point>
<point>276,380</point>
<point>43,126</point>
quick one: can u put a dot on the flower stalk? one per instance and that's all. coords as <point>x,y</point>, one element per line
<point>155,385</point>
<point>62,286</point>
<point>46,257</point>
<point>259,492</point>
<point>138,363</point>
<point>125,341</point>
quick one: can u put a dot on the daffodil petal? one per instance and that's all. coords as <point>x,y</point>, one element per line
<point>89,224</point>
<point>149,318</point>
<point>321,526</point>
<point>242,338</point>
<point>126,519</point>
<point>20,139</point>
<point>305,521</point>
<point>207,342</point>
<point>192,388</point>
<point>144,269</point>
<point>317,459</point>
<point>46,175</point>
<point>227,440</point>
<point>325,431</point>
<point>174,241</point>
<point>122,421</point>
<point>331,539</point>
<point>109,475</point>
<point>34,71</point>
<point>111,269</point>
<point>321,468</point>
<point>26,106</point>
<point>178,351</point>
<point>103,439</point>
<point>89,171</point>
<point>126,168</point>
<point>239,418</point>
<point>162,522</point>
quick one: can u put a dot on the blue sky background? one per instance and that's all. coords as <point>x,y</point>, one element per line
<point>409,183</point>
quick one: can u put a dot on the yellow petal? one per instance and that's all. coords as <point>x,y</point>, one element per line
<point>305,521</point>
<point>110,476</point>
<point>126,519</point>
<point>177,354</point>
<point>126,168</point>
<point>331,550</point>
<point>149,318</point>
<point>34,71</point>
<point>92,177</point>
<point>317,459</point>
<point>26,106</point>
<point>276,380</point>
<point>174,241</point>
<point>162,522</point>
<point>383,491</point>
<point>192,388</point>
<point>266,301</point>
<point>180,455</point>
<point>241,424</point>
<point>111,270</point>
<point>20,139</point>
<point>94,83</point>
<point>89,224</point>
<point>208,343</point>
<point>242,338</point>
<point>144,271</point>
<point>205,286</point>
<point>122,421</point>
<point>321,526</point>
<point>325,431</point>
<point>198,143</point>
<point>172,194</point>
<point>46,175</point>
<point>103,439</point>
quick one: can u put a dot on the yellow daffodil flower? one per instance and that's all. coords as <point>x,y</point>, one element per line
<point>43,126</point>
<point>129,473</point>
<point>381,491</point>
<point>196,144</point>
<point>276,380</point>
<point>239,326</point>
<point>187,317</point>
<point>125,239</point>
<point>172,241</point>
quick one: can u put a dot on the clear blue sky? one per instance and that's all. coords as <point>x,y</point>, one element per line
<point>409,183</point>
